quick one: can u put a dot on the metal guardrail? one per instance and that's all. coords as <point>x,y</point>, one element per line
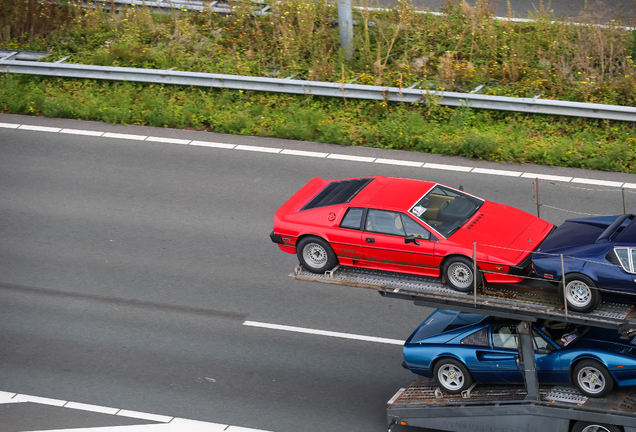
<point>318,88</point>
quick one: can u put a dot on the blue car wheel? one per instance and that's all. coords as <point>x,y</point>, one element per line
<point>592,378</point>
<point>452,376</point>
<point>581,293</point>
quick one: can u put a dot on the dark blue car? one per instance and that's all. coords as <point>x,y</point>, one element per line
<point>457,349</point>
<point>599,259</point>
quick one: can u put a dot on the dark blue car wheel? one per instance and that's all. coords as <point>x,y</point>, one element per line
<point>581,293</point>
<point>316,255</point>
<point>452,376</point>
<point>592,378</point>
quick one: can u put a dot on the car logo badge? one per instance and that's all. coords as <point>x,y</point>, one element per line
<point>332,216</point>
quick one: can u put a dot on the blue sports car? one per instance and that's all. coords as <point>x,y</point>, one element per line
<point>599,259</point>
<point>457,349</point>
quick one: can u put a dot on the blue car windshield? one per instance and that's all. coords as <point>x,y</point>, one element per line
<point>446,209</point>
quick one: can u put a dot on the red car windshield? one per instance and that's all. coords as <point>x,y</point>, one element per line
<point>446,209</point>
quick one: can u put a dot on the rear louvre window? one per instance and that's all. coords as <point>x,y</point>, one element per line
<point>338,192</point>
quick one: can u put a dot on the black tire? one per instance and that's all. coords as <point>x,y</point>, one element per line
<point>581,426</point>
<point>582,293</point>
<point>592,378</point>
<point>458,273</point>
<point>452,376</point>
<point>316,255</point>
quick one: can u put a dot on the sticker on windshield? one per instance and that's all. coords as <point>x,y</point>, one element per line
<point>419,210</point>
<point>568,338</point>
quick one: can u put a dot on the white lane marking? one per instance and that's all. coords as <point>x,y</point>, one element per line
<point>92,408</point>
<point>39,400</point>
<point>168,140</point>
<point>547,177</point>
<point>597,182</point>
<point>304,153</point>
<point>447,167</point>
<point>212,144</point>
<point>7,397</point>
<point>144,416</point>
<point>323,333</point>
<point>497,172</point>
<point>258,149</point>
<point>165,423</point>
<point>331,156</point>
<point>124,136</point>
<point>39,128</point>
<point>399,162</point>
<point>81,132</point>
<point>351,158</point>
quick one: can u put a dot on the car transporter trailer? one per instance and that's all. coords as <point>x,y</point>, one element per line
<point>499,408</point>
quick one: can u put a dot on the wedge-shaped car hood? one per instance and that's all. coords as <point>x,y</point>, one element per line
<point>503,231</point>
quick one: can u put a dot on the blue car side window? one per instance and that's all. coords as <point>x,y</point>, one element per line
<point>623,256</point>
<point>505,336</point>
<point>479,338</point>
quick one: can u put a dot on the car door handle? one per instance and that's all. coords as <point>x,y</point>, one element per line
<point>369,240</point>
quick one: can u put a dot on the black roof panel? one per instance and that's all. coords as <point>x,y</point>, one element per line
<point>338,192</point>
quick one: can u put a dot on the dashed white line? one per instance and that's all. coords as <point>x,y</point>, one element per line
<point>212,144</point>
<point>399,162</point>
<point>164,423</point>
<point>323,333</point>
<point>303,153</point>
<point>447,167</point>
<point>82,132</point>
<point>258,149</point>
<point>597,182</point>
<point>168,140</point>
<point>351,158</point>
<point>124,136</point>
<point>497,172</point>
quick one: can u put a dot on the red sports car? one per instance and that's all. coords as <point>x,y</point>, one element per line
<point>407,226</point>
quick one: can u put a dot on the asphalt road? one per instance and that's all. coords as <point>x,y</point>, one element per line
<point>128,269</point>
<point>597,11</point>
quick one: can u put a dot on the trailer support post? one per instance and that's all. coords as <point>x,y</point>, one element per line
<point>526,344</point>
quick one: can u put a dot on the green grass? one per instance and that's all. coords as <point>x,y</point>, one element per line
<point>457,52</point>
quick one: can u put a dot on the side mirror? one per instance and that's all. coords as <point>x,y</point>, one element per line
<point>543,351</point>
<point>411,239</point>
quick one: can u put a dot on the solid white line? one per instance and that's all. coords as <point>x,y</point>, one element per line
<point>323,333</point>
<point>304,153</point>
<point>9,125</point>
<point>399,162</point>
<point>258,149</point>
<point>195,425</point>
<point>447,167</point>
<point>144,416</point>
<point>496,172</point>
<point>212,144</point>
<point>125,136</point>
<point>351,158</point>
<point>91,408</point>
<point>81,132</point>
<point>39,128</point>
<point>629,185</point>
<point>597,182</point>
<point>40,400</point>
<point>546,177</point>
<point>6,397</point>
<point>168,140</point>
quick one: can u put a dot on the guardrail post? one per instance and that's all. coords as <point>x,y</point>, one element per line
<point>345,22</point>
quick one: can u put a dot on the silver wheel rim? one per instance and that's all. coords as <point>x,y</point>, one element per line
<point>315,255</point>
<point>595,428</point>
<point>591,379</point>
<point>460,275</point>
<point>450,377</point>
<point>578,293</point>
